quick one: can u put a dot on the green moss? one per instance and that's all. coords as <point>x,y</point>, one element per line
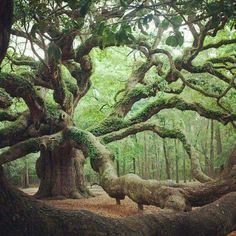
<point>108,125</point>
<point>69,81</point>
<point>84,138</point>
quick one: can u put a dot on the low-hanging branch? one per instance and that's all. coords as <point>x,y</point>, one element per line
<point>209,69</point>
<point>114,123</point>
<point>182,105</point>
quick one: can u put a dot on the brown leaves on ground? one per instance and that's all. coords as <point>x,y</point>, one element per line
<point>102,204</point>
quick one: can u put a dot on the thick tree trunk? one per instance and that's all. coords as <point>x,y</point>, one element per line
<point>61,174</point>
<point>6,15</point>
<point>21,215</point>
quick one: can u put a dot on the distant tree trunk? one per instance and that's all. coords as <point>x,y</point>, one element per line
<point>25,175</point>
<point>212,149</point>
<point>118,167</point>
<point>190,172</point>
<point>145,164</point>
<point>117,161</point>
<point>205,150</point>
<point>167,160</point>
<point>176,163</point>
<point>157,153</point>
<point>184,170</point>
<point>134,166</point>
<point>124,165</point>
<point>219,148</point>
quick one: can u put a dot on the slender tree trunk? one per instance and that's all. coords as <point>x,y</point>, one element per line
<point>190,172</point>
<point>145,164</point>
<point>25,175</point>
<point>205,150</point>
<point>134,165</point>
<point>176,163</point>
<point>184,170</point>
<point>212,150</point>
<point>218,140</point>
<point>124,165</point>
<point>156,160</point>
<point>118,161</point>
<point>167,160</point>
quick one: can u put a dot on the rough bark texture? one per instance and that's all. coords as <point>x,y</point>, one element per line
<point>6,15</point>
<point>22,215</point>
<point>61,174</point>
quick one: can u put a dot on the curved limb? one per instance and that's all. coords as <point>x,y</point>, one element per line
<point>17,86</point>
<point>164,133</point>
<point>15,132</point>
<point>150,192</point>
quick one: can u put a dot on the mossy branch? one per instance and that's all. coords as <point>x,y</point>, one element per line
<point>164,133</point>
<point>15,132</point>
<point>5,99</point>
<point>17,86</point>
<point>8,116</point>
<point>182,105</point>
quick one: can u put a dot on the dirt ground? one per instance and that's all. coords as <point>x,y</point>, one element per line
<point>101,204</point>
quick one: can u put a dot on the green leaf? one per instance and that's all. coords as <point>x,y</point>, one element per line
<point>73,4</point>
<point>165,24</point>
<point>101,28</point>
<point>176,21</point>
<point>177,39</point>
<point>172,41</point>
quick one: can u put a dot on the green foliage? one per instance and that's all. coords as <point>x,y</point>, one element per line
<point>176,39</point>
<point>54,52</point>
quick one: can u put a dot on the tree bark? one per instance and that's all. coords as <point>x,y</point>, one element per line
<point>212,150</point>
<point>176,163</point>
<point>167,160</point>
<point>61,174</point>
<point>6,15</point>
<point>25,175</point>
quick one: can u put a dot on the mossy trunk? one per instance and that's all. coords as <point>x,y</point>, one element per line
<point>61,173</point>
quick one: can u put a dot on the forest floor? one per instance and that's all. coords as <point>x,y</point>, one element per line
<point>101,204</point>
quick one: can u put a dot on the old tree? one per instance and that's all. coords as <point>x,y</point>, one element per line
<point>61,35</point>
